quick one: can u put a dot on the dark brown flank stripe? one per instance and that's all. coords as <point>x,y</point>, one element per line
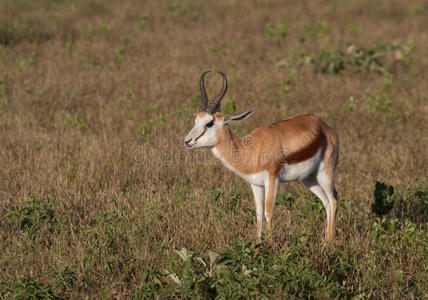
<point>306,153</point>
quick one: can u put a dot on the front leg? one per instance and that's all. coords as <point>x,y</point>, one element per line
<point>259,195</point>
<point>271,188</point>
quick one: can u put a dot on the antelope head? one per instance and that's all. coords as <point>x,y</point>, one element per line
<point>209,119</point>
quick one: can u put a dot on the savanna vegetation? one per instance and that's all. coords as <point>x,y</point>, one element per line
<point>99,199</point>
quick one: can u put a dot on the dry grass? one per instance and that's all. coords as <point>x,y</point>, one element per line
<point>96,98</point>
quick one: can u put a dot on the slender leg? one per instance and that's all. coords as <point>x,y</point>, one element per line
<point>312,184</point>
<point>258,192</point>
<point>330,191</point>
<point>271,188</point>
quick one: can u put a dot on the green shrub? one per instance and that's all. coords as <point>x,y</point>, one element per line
<point>410,203</point>
<point>320,29</point>
<point>30,216</point>
<point>359,59</point>
<point>279,29</point>
<point>28,288</point>
<point>383,200</point>
<point>245,270</point>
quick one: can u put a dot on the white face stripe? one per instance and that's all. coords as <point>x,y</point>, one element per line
<point>201,135</point>
<point>203,132</point>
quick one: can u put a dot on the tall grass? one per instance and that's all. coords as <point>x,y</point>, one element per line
<point>99,199</point>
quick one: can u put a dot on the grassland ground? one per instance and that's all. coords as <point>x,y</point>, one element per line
<point>98,198</point>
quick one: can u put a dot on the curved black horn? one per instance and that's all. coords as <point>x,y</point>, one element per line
<point>214,105</point>
<point>204,96</point>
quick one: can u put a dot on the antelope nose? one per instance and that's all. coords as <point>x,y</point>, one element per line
<point>187,141</point>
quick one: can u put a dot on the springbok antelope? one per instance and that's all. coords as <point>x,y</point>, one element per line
<point>300,148</point>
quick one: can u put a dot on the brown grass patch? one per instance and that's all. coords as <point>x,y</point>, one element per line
<point>93,92</point>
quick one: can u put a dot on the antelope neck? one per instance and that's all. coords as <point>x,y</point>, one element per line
<point>226,141</point>
<point>233,154</point>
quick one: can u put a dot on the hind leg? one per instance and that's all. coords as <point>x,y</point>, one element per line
<point>327,185</point>
<point>271,189</point>
<point>313,185</point>
<point>259,192</point>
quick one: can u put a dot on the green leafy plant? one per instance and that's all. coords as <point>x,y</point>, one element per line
<point>412,204</point>
<point>69,45</point>
<point>405,204</point>
<point>76,122</point>
<point>217,50</point>
<point>330,62</point>
<point>216,194</point>
<point>5,83</point>
<point>357,59</point>
<point>383,200</point>
<point>105,29</point>
<point>367,59</point>
<point>377,102</point>
<point>143,129</point>
<point>279,29</point>
<point>245,270</point>
<point>318,30</point>
<point>31,215</point>
<point>142,21</point>
<point>30,61</point>
<point>90,33</point>
<point>160,122</point>
<point>30,288</point>
<point>118,55</point>
<point>229,107</point>
<point>178,9</point>
<point>351,104</point>
<point>416,10</point>
<point>152,284</point>
<point>285,199</point>
<point>354,29</point>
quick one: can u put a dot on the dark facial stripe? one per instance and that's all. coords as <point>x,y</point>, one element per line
<point>200,135</point>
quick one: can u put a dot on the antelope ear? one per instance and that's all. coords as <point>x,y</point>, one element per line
<point>238,117</point>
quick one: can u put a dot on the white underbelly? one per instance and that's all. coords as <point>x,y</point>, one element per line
<point>301,170</point>
<point>256,178</point>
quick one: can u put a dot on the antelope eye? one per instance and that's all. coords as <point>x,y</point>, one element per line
<point>210,124</point>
